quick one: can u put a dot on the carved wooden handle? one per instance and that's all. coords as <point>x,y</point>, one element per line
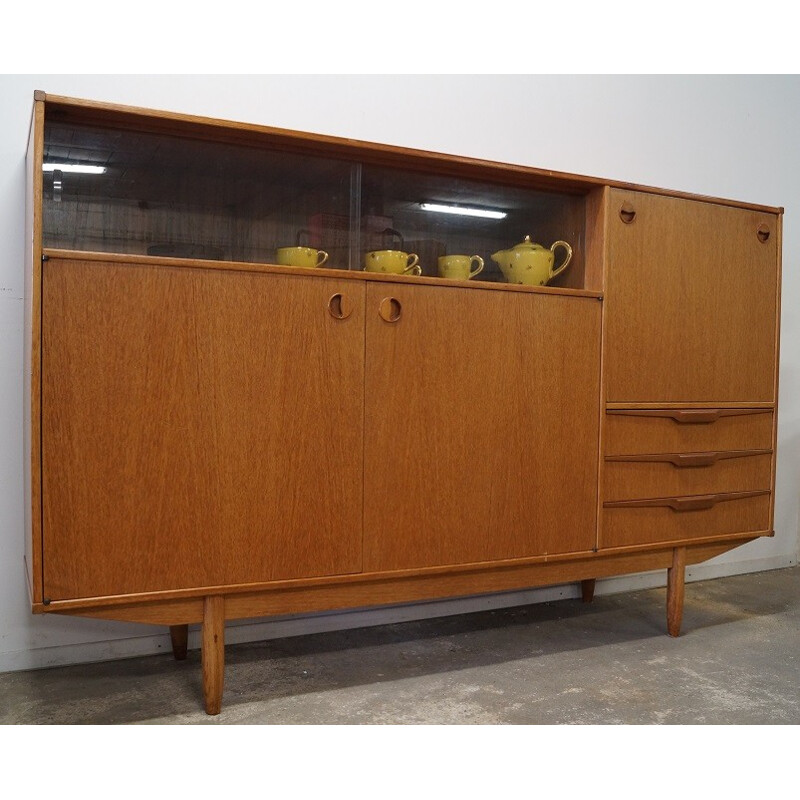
<point>689,415</point>
<point>763,233</point>
<point>339,307</point>
<point>700,502</point>
<point>690,459</point>
<point>627,213</point>
<point>390,309</point>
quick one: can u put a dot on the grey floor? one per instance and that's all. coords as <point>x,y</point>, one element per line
<point>736,662</point>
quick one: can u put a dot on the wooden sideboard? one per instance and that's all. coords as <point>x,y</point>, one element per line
<point>213,436</point>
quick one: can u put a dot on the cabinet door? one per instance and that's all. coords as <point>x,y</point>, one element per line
<point>200,428</point>
<point>691,301</point>
<point>480,427</point>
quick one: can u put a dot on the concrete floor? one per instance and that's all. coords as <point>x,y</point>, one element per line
<point>736,662</point>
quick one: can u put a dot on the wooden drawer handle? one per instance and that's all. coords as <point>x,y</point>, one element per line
<point>339,307</point>
<point>390,309</point>
<point>700,502</point>
<point>690,416</point>
<point>690,459</point>
<point>763,233</point>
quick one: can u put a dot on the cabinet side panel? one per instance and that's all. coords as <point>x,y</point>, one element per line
<point>779,234</point>
<point>32,354</point>
<point>596,210</point>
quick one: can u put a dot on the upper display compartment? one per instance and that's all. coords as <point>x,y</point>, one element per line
<point>118,181</point>
<point>145,193</point>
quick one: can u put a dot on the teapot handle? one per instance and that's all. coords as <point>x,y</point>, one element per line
<point>558,271</point>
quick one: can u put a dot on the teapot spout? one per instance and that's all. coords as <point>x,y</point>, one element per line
<point>497,256</point>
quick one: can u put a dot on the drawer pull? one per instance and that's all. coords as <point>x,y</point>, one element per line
<point>701,502</point>
<point>690,459</point>
<point>691,416</point>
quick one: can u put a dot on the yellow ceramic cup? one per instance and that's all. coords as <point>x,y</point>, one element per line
<point>394,262</point>
<point>300,257</point>
<point>459,267</point>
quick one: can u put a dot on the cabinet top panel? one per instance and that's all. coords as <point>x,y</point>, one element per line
<point>71,110</point>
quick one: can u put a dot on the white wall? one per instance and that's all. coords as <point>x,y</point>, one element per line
<point>723,136</point>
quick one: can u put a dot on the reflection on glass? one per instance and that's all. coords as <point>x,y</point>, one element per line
<point>147,193</point>
<point>137,192</point>
<point>459,223</point>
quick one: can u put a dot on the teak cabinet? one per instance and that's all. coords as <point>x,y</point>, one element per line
<point>212,435</point>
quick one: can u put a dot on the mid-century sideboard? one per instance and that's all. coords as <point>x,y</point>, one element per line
<point>211,435</point>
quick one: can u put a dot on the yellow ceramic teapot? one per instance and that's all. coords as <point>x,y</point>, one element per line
<point>530,263</point>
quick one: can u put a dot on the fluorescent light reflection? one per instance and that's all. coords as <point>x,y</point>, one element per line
<point>463,211</point>
<point>84,169</point>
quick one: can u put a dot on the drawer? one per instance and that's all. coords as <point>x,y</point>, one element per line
<point>669,430</point>
<point>675,474</point>
<point>635,522</point>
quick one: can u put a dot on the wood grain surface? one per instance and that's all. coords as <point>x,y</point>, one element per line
<point>322,272</point>
<point>779,244</point>
<point>596,221</point>
<point>32,354</point>
<point>643,525</point>
<point>658,477</point>
<point>200,428</point>
<point>213,653</point>
<point>630,432</point>
<point>358,591</point>
<point>691,302</point>
<point>676,576</point>
<point>480,428</point>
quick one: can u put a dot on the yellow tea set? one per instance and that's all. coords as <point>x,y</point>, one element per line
<point>526,263</point>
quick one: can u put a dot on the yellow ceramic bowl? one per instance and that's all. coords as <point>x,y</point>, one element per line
<point>394,262</point>
<point>300,257</point>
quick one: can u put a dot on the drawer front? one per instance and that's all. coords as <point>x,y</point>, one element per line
<point>631,525</point>
<point>673,475</point>
<point>686,430</point>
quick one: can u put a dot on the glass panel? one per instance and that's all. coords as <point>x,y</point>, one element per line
<point>393,218</point>
<point>170,196</point>
<point>159,194</point>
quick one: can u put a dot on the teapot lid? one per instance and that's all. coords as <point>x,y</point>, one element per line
<point>527,244</point>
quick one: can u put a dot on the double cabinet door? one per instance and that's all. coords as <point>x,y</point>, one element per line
<point>210,428</point>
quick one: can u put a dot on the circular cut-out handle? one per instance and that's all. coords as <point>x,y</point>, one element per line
<point>390,309</point>
<point>339,306</point>
<point>627,213</point>
<point>763,232</point>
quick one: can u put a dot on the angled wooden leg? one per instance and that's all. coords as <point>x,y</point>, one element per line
<point>675,582</point>
<point>180,640</point>
<point>213,652</point>
<point>587,590</point>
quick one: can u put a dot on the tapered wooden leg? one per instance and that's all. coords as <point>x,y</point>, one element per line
<point>213,652</point>
<point>180,640</point>
<point>587,590</point>
<point>675,582</point>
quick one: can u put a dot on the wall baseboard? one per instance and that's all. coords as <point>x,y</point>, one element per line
<point>243,631</point>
